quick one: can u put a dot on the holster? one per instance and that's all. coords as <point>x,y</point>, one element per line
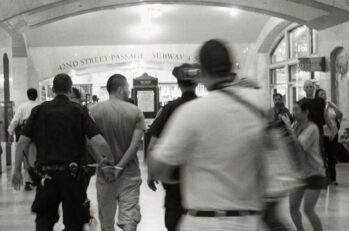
<point>76,171</point>
<point>35,173</point>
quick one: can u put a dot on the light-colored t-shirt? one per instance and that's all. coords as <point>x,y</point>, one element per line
<point>332,119</point>
<point>22,114</point>
<point>219,144</point>
<point>309,139</point>
<point>117,121</point>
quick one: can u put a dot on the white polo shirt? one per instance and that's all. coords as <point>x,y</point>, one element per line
<point>219,144</point>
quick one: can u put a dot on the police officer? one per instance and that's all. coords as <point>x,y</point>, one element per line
<point>58,128</point>
<point>186,75</point>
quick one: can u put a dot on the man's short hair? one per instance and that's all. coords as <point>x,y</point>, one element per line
<point>215,58</point>
<point>187,84</point>
<point>76,92</point>
<point>32,94</point>
<point>95,98</point>
<point>277,95</point>
<point>62,83</point>
<point>116,81</point>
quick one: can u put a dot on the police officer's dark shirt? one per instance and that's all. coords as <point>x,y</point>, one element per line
<point>173,195</point>
<point>58,128</point>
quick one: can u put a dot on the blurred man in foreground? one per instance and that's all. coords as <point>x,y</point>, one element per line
<point>217,141</point>
<point>186,75</point>
<point>122,125</point>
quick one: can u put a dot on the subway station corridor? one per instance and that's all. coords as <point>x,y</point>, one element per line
<point>277,47</point>
<point>15,213</point>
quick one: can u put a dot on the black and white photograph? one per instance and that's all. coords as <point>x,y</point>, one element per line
<point>174,115</point>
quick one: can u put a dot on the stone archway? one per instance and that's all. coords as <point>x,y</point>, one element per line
<point>339,62</point>
<point>334,82</point>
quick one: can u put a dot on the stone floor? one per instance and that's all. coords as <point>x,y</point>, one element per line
<point>15,215</point>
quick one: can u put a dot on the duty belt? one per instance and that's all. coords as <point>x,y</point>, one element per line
<point>73,168</point>
<point>222,213</point>
<point>55,167</point>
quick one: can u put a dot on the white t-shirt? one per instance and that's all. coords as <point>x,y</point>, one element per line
<point>22,114</point>
<point>219,144</point>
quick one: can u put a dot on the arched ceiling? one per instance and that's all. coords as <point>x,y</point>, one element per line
<point>4,38</point>
<point>177,24</point>
<point>18,17</point>
<point>319,14</point>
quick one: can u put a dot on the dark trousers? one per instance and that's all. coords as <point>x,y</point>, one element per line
<point>271,218</point>
<point>342,154</point>
<point>85,183</point>
<point>331,149</point>
<point>65,189</point>
<point>173,217</point>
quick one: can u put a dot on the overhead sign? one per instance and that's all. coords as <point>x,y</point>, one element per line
<point>312,64</point>
<point>46,62</point>
<point>119,58</point>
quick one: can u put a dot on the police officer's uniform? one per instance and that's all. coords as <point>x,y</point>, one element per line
<point>58,128</point>
<point>173,201</point>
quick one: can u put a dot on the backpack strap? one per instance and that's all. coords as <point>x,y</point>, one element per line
<point>253,108</point>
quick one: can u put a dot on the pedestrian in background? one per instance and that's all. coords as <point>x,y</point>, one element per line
<point>187,79</point>
<point>279,109</point>
<point>316,113</point>
<point>16,127</point>
<point>308,135</point>
<point>87,171</point>
<point>334,116</point>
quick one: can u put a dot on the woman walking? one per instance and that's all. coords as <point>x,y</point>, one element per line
<point>307,134</point>
<point>333,118</point>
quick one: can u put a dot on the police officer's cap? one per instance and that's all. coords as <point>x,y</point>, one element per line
<point>187,72</point>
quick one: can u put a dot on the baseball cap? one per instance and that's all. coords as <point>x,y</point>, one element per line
<point>215,58</point>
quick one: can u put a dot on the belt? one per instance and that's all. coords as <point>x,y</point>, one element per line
<point>56,167</point>
<point>222,213</point>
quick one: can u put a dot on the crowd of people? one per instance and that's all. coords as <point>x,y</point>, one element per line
<point>211,154</point>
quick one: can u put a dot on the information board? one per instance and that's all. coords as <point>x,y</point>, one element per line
<point>146,100</point>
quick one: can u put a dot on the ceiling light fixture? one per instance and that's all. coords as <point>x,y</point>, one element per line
<point>72,72</point>
<point>146,29</point>
<point>154,11</point>
<point>234,12</point>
